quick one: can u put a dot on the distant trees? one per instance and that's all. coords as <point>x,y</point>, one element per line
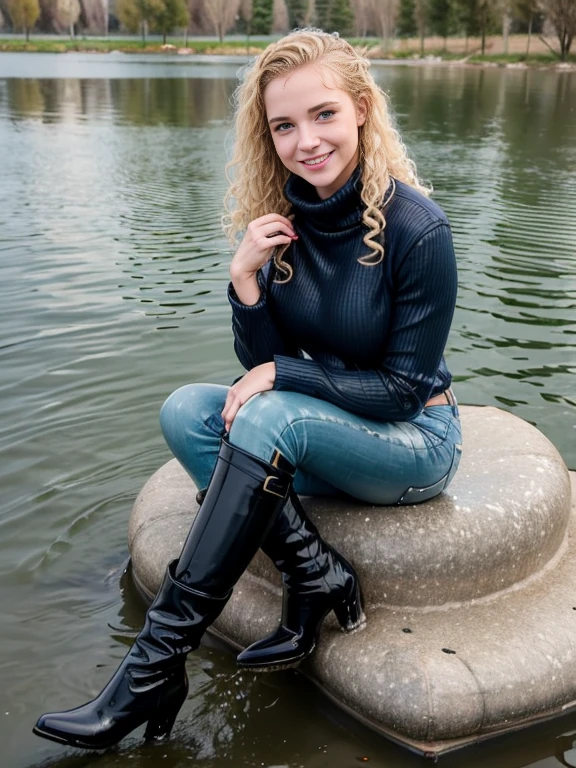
<point>168,15</point>
<point>262,16</point>
<point>297,12</point>
<point>382,18</point>
<point>526,11</point>
<point>222,14</point>
<point>406,25</point>
<point>23,14</point>
<point>562,15</point>
<point>162,16</point>
<point>68,13</point>
<point>441,17</point>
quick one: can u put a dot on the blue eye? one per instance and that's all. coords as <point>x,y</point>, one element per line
<point>326,113</point>
<point>282,127</point>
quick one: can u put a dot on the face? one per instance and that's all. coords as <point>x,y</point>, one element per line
<point>314,126</point>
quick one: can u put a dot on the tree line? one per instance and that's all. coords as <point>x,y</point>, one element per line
<point>385,19</point>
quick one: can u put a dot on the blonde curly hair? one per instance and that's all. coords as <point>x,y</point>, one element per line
<point>258,178</point>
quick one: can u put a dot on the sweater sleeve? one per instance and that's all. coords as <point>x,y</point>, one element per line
<point>397,389</point>
<point>257,338</point>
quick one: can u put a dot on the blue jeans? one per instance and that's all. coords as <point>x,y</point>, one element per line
<point>334,452</point>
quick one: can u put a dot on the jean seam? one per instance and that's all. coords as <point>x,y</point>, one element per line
<point>425,448</point>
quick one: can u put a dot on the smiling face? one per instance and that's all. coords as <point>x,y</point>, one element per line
<point>314,127</point>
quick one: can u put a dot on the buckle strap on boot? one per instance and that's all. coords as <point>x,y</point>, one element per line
<point>274,484</point>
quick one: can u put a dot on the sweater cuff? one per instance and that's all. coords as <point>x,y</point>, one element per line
<point>238,307</point>
<point>293,374</point>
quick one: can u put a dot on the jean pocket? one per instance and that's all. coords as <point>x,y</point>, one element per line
<point>215,423</point>
<point>415,495</point>
<point>435,426</point>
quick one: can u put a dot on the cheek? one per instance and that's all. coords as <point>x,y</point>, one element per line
<point>281,145</point>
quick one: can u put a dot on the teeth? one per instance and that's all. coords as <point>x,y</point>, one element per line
<point>316,160</point>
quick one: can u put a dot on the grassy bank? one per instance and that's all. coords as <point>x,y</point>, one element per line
<point>89,45</point>
<point>404,50</point>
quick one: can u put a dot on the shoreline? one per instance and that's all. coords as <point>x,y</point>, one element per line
<point>209,52</point>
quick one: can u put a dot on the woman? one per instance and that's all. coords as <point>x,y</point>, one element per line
<point>342,292</point>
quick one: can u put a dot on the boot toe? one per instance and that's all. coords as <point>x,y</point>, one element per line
<point>279,650</point>
<point>63,728</point>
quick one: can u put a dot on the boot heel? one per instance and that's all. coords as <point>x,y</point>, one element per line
<point>349,612</point>
<point>162,722</point>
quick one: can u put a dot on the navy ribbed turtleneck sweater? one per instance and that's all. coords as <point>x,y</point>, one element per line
<point>375,335</point>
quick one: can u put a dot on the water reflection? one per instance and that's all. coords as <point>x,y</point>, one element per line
<point>187,103</point>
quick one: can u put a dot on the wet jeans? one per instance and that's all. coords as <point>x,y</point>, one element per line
<point>334,451</point>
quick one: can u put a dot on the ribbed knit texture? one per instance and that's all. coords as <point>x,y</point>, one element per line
<point>375,335</point>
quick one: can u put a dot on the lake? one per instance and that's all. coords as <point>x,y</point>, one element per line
<point>113,272</point>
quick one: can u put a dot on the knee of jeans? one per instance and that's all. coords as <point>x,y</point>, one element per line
<point>189,406</point>
<point>264,421</point>
<point>261,410</point>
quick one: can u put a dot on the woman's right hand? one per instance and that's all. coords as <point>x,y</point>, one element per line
<point>262,236</point>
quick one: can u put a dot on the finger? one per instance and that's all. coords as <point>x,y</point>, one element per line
<point>226,408</point>
<point>231,415</point>
<point>271,242</point>
<point>268,217</point>
<point>232,403</point>
<point>276,228</point>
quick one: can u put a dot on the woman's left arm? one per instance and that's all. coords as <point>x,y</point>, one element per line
<point>396,390</point>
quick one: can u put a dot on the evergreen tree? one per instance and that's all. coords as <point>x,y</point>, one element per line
<point>341,17</point>
<point>297,12</point>
<point>407,19</point>
<point>441,18</point>
<point>323,14</point>
<point>421,19</point>
<point>262,15</point>
<point>466,16</point>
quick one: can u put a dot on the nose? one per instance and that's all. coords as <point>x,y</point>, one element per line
<point>308,138</point>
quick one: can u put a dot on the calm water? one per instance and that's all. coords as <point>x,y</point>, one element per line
<point>112,279</point>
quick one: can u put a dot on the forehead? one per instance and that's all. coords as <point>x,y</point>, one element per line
<point>302,85</point>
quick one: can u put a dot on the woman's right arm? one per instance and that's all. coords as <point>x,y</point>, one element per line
<point>257,338</point>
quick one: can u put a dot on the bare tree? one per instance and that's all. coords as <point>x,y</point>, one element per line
<point>361,17</point>
<point>506,9</point>
<point>526,10</point>
<point>280,21</point>
<point>222,14</point>
<point>421,8</point>
<point>67,13</point>
<point>384,14</point>
<point>562,15</point>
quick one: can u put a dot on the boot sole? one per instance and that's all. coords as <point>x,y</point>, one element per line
<point>70,742</point>
<point>288,664</point>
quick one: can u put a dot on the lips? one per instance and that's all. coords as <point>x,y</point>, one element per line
<point>316,162</point>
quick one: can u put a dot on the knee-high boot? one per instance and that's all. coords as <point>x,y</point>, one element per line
<point>317,580</point>
<point>150,685</point>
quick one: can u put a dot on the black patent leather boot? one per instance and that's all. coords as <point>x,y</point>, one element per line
<point>317,580</point>
<point>150,685</point>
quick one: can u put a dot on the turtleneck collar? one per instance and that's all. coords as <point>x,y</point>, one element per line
<point>340,211</point>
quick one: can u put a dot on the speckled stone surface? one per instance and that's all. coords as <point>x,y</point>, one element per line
<point>470,597</point>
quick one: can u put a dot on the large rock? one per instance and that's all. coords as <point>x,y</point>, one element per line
<point>471,611</point>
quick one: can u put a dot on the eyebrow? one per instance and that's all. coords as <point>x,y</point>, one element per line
<point>310,111</point>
